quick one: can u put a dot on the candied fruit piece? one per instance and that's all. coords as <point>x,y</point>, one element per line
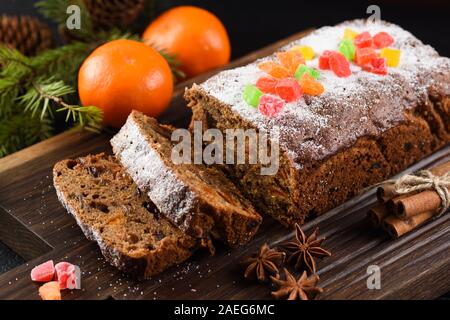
<point>379,66</point>
<point>350,34</point>
<point>339,65</point>
<point>50,291</point>
<point>324,60</point>
<point>266,84</point>
<point>270,105</point>
<point>68,276</point>
<point>311,86</point>
<point>364,56</point>
<point>43,272</point>
<point>347,48</point>
<point>288,89</point>
<point>303,68</point>
<point>251,95</point>
<point>392,56</point>
<point>382,40</point>
<point>274,69</point>
<point>363,40</point>
<point>290,60</point>
<point>306,51</point>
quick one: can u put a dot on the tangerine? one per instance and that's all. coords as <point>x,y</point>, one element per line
<point>195,36</point>
<point>123,75</point>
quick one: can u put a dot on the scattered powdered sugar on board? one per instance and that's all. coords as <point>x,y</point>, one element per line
<point>312,128</point>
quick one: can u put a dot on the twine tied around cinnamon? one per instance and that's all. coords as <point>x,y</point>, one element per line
<point>424,180</point>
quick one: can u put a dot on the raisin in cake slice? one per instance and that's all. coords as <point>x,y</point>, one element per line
<point>110,210</point>
<point>198,199</point>
<point>361,130</point>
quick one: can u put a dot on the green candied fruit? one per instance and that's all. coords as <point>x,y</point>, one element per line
<point>347,48</point>
<point>301,69</point>
<point>251,95</point>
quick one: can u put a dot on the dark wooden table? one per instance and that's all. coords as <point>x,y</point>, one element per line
<point>35,225</point>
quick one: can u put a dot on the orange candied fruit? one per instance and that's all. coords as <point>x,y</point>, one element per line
<point>310,85</point>
<point>274,69</point>
<point>290,60</point>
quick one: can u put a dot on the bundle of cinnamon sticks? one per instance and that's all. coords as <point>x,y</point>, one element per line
<point>400,212</point>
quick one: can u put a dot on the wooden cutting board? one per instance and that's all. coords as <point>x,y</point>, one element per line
<point>36,226</point>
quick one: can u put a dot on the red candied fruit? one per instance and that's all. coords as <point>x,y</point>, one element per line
<point>270,105</point>
<point>364,56</point>
<point>43,272</point>
<point>339,64</point>
<point>324,60</point>
<point>266,84</point>
<point>363,40</point>
<point>377,66</point>
<point>288,89</point>
<point>382,40</point>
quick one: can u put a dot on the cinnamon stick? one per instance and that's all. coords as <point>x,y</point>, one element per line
<point>397,227</point>
<point>385,192</point>
<point>377,214</point>
<point>392,204</point>
<point>418,203</point>
<point>423,201</point>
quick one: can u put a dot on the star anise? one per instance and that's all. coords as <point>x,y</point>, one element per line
<point>304,249</point>
<point>264,263</point>
<point>304,288</point>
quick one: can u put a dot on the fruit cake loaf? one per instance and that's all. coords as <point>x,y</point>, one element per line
<point>362,129</point>
<point>110,209</point>
<point>198,199</point>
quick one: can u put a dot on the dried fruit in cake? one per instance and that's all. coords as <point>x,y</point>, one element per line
<point>270,105</point>
<point>382,40</point>
<point>364,56</point>
<point>363,40</point>
<point>68,275</point>
<point>339,65</point>
<point>50,291</point>
<point>311,86</point>
<point>324,60</point>
<point>306,51</point>
<point>274,69</point>
<point>132,234</point>
<point>306,69</point>
<point>347,48</point>
<point>350,34</point>
<point>392,56</point>
<point>43,272</point>
<point>291,60</point>
<point>267,84</point>
<point>251,95</point>
<point>377,66</point>
<point>288,89</point>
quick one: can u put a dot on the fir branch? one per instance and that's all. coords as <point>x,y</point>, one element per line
<point>62,63</point>
<point>19,131</point>
<point>88,117</point>
<point>45,92</point>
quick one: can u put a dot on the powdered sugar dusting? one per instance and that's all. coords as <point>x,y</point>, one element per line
<point>362,104</point>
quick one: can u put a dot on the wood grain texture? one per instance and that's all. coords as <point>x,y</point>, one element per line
<point>34,223</point>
